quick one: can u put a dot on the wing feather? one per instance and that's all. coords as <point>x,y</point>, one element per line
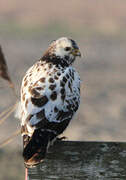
<point>50,100</point>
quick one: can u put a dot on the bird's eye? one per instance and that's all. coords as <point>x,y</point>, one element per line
<point>67,48</point>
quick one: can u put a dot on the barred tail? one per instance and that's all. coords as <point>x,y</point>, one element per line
<point>35,150</point>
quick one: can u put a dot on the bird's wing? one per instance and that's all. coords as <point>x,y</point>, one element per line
<point>50,101</point>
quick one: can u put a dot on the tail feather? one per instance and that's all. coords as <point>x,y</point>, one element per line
<point>35,150</point>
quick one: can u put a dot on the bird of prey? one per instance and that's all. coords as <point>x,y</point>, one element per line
<point>50,96</point>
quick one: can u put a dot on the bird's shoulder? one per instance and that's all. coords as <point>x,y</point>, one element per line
<point>43,78</point>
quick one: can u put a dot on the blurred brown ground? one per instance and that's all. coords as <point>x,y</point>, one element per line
<point>26,29</point>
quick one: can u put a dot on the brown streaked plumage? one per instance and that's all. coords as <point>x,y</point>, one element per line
<point>50,97</point>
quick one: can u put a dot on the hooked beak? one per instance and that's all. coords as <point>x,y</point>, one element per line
<point>76,52</point>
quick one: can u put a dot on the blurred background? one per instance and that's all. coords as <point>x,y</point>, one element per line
<point>99,28</point>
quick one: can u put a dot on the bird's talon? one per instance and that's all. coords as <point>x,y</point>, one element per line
<point>61,138</point>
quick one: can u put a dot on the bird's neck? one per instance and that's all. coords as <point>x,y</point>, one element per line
<point>52,58</point>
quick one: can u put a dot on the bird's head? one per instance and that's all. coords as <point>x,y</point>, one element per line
<point>63,50</point>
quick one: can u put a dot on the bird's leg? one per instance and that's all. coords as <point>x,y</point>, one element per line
<point>52,142</point>
<point>61,138</point>
<point>56,139</point>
